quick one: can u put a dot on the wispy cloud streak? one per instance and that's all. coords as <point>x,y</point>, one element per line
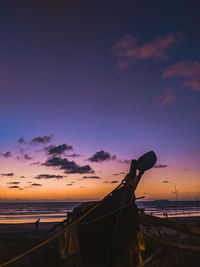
<point>187,70</point>
<point>129,51</point>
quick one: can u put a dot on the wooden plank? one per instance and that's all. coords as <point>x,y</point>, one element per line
<point>172,243</point>
<point>152,220</point>
<point>149,259</point>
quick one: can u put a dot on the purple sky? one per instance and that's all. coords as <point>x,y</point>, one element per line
<point>122,77</point>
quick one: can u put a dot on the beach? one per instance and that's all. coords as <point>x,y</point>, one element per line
<point>18,238</point>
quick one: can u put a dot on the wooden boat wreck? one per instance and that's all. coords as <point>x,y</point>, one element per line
<point>108,232</point>
<point>111,228</point>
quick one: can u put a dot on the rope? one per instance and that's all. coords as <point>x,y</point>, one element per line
<point>62,231</point>
<point>31,250</point>
<point>110,213</point>
<point>129,181</point>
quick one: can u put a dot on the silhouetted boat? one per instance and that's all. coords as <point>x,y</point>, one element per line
<point>110,232</point>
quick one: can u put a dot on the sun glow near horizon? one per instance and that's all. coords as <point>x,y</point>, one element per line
<point>73,187</point>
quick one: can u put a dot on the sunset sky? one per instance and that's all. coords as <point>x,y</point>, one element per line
<point>86,86</point>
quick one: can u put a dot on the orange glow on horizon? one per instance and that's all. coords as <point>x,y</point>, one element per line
<point>151,185</point>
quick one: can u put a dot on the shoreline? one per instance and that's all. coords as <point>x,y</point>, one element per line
<point>28,229</point>
<point>176,218</point>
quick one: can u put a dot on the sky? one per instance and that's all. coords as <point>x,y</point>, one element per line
<point>86,86</point>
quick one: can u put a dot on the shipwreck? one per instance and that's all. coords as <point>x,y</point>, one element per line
<point>114,232</point>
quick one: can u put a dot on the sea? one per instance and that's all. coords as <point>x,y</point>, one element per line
<point>57,211</point>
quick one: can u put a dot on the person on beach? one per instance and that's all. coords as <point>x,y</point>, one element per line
<point>37,224</point>
<point>165,215</point>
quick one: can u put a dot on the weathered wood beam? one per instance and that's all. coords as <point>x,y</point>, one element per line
<point>152,220</point>
<point>172,243</point>
<point>150,258</point>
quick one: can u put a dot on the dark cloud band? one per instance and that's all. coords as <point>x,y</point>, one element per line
<point>42,139</point>
<point>8,154</point>
<point>102,156</point>
<point>58,150</point>
<point>49,176</point>
<point>161,166</point>
<point>7,174</point>
<point>91,177</point>
<point>68,166</point>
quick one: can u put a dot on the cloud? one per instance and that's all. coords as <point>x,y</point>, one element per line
<point>166,98</point>
<point>7,174</point>
<point>125,161</point>
<point>91,177</point>
<point>49,176</point>
<point>68,166</point>
<point>14,186</point>
<point>74,155</point>
<point>102,156</point>
<point>41,139</point>
<point>57,150</point>
<point>187,70</point>
<point>116,174</point>
<point>13,183</point>
<point>22,176</point>
<point>21,140</point>
<point>35,163</point>
<point>111,182</point>
<point>7,154</point>
<point>27,157</point>
<point>35,184</point>
<point>160,166</point>
<point>129,51</point>
<point>70,184</point>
